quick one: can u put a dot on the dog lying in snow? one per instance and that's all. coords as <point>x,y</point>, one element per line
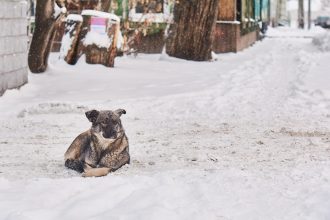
<point>103,148</point>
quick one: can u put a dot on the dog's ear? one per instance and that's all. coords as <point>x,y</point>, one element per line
<point>120,111</point>
<point>92,115</point>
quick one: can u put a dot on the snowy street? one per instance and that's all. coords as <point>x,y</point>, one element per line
<point>244,137</point>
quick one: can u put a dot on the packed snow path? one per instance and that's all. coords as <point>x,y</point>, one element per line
<point>245,137</point>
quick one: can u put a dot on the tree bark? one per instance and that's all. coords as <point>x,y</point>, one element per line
<point>78,48</point>
<point>76,6</point>
<point>42,37</point>
<point>95,54</point>
<point>72,29</point>
<point>191,35</point>
<point>105,5</point>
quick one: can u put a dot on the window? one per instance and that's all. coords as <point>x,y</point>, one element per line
<point>238,10</point>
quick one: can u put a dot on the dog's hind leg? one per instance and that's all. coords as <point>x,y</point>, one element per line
<point>122,159</point>
<point>108,164</point>
<point>76,165</point>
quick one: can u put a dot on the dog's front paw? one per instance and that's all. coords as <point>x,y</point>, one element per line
<point>87,173</point>
<point>96,172</point>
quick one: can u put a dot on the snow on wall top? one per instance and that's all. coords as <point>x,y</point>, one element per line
<point>101,14</point>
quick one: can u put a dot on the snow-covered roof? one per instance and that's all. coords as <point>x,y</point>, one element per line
<point>101,14</point>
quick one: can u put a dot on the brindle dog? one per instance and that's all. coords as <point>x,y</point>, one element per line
<point>101,149</point>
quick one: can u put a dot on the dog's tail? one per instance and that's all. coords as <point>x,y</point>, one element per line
<point>75,165</point>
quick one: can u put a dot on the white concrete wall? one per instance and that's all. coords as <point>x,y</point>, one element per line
<point>13,44</point>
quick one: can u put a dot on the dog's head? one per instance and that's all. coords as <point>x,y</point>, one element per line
<point>107,123</point>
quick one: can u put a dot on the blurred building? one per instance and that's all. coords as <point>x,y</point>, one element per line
<point>278,13</point>
<point>239,23</point>
<point>318,8</point>
<point>13,44</point>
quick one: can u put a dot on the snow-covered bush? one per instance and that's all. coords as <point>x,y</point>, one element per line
<point>322,41</point>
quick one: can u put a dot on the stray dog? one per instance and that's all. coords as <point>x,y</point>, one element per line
<point>103,148</point>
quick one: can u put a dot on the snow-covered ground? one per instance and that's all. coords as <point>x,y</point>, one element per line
<point>245,137</point>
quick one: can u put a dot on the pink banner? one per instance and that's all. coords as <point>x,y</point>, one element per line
<point>98,21</point>
<point>99,25</point>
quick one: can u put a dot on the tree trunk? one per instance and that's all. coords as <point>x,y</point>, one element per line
<point>301,14</point>
<point>76,6</point>
<point>71,34</point>
<point>191,35</point>
<point>94,53</point>
<point>77,32</point>
<point>105,5</point>
<point>78,48</point>
<point>42,37</point>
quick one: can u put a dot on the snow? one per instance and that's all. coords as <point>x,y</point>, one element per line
<point>101,14</point>
<point>228,22</point>
<point>65,45</point>
<point>230,194</point>
<point>67,39</point>
<point>74,17</point>
<point>120,40</point>
<point>285,32</point>
<point>64,10</point>
<point>243,137</point>
<point>322,41</point>
<point>100,40</point>
<point>57,10</point>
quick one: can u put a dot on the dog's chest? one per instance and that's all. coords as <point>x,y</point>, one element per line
<point>101,142</point>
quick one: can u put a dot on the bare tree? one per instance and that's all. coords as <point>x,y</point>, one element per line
<point>77,5</point>
<point>301,14</point>
<point>104,5</point>
<point>191,34</point>
<point>43,35</point>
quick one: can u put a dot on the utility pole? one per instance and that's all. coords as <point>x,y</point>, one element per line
<point>278,11</point>
<point>124,5</point>
<point>269,13</point>
<point>301,15</point>
<point>309,15</point>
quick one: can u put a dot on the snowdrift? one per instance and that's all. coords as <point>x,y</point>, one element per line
<point>322,41</point>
